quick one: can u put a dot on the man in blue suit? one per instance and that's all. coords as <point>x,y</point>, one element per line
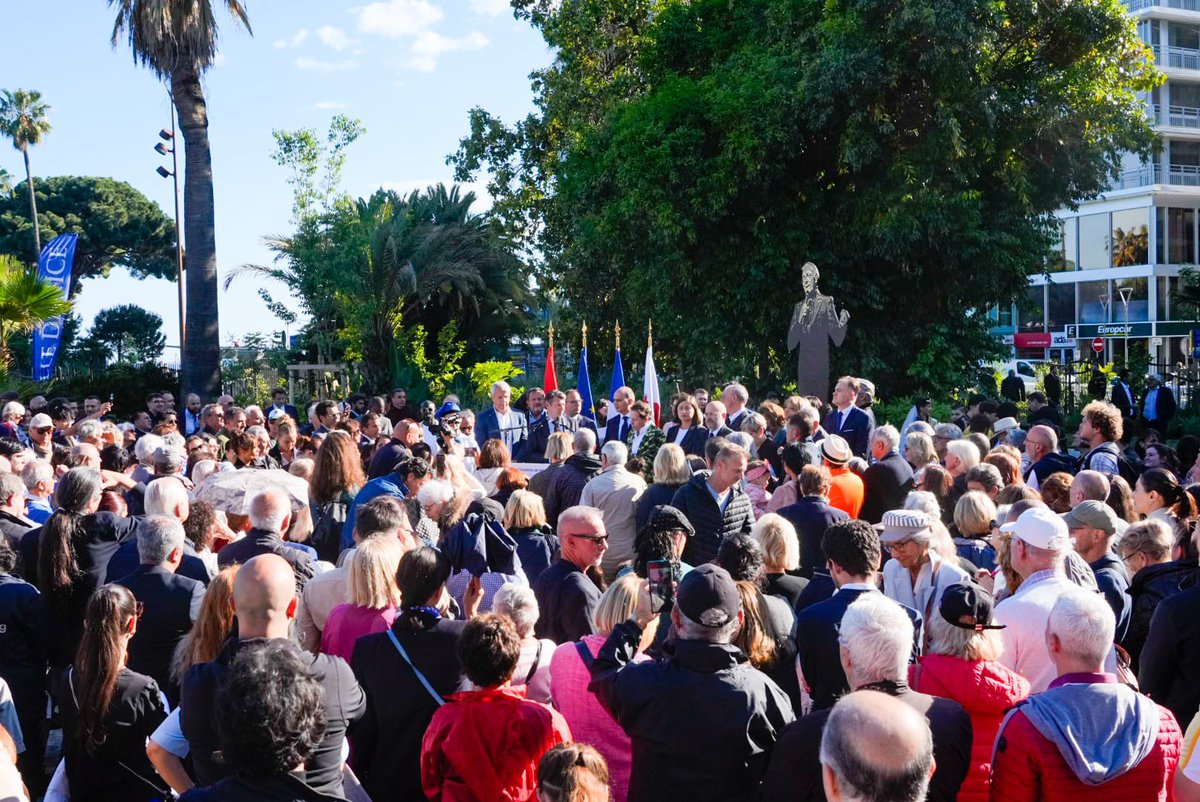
<point>618,424</point>
<point>848,420</point>
<point>852,552</point>
<point>501,422</point>
<point>279,401</point>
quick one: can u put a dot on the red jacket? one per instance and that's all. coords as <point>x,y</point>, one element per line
<point>986,690</point>
<point>484,746</point>
<point>1029,767</point>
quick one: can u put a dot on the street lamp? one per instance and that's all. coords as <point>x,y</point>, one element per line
<point>1125,293</point>
<point>163,148</point>
<point>1105,300</point>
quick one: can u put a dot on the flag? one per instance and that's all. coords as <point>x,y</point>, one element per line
<point>550,380</point>
<point>54,268</point>
<point>585,386</point>
<point>650,388</point>
<point>618,381</point>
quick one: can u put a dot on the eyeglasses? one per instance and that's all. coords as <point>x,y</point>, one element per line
<point>899,544</point>
<point>596,538</point>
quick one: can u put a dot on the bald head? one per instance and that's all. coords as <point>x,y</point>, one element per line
<point>264,597</point>
<point>270,510</point>
<point>1088,486</point>
<point>876,747</point>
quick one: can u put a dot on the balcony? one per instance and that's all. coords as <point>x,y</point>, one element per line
<point>1183,58</point>
<point>1184,5</point>
<point>1185,175</point>
<point>1178,117</point>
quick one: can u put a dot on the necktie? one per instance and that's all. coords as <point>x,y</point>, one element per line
<point>624,426</point>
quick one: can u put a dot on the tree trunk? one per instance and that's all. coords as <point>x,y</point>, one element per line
<point>201,359</point>
<point>33,215</point>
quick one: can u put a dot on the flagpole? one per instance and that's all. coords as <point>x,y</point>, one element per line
<point>585,334</point>
<point>618,335</point>
<point>649,333</point>
<point>551,333</point>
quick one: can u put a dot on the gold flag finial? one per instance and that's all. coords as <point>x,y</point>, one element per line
<point>551,333</point>
<point>585,335</point>
<point>617,333</point>
<point>649,333</point>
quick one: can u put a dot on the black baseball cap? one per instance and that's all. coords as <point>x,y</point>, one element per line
<point>665,518</point>
<point>709,596</point>
<point>968,606</point>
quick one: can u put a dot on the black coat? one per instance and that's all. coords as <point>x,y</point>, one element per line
<point>1053,387</point>
<point>1164,408</point>
<point>387,741</point>
<point>1113,581</point>
<point>168,600</point>
<point>1149,587</point>
<point>655,495</point>
<point>856,429</point>
<point>811,516</point>
<point>1122,398</point>
<point>1170,662</point>
<point>24,641</point>
<point>126,561</point>
<point>534,449</point>
<point>566,486</point>
<point>1013,388</point>
<point>711,524</point>
<point>787,587</point>
<point>566,597</point>
<point>344,704</point>
<point>693,442</point>
<point>536,548</point>
<point>795,770</point>
<point>885,486</point>
<point>260,541</point>
<point>703,722</point>
<point>283,788</point>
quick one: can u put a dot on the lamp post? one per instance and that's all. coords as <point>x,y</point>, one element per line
<point>1105,300</point>
<point>163,148</point>
<point>1126,292</point>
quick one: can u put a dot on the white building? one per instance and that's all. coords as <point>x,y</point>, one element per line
<point>1122,252</point>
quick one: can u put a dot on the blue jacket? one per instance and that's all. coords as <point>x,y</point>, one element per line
<point>856,429</point>
<point>390,484</point>
<point>811,516</point>
<point>487,427</point>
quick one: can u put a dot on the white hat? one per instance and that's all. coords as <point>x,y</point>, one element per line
<point>1004,424</point>
<point>836,450</point>
<point>1041,527</point>
<point>40,421</point>
<point>275,413</point>
<point>900,524</point>
<point>866,386</point>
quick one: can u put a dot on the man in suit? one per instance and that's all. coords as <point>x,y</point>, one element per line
<point>735,397</point>
<point>1122,395</point>
<point>1158,407</point>
<point>554,420</point>
<point>888,481</point>
<point>279,401</point>
<point>848,420</point>
<point>852,553</point>
<point>618,423</point>
<point>574,412</point>
<point>1013,388</point>
<point>714,420</point>
<point>501,422</point>
<point>171,603</point>
<point>811,515</point>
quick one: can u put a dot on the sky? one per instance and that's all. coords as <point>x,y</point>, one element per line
<point>410,70</point>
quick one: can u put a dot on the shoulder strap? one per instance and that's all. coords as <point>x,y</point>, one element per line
<point>537,658</point>
<point>396,642</point>
<point>585,654</point>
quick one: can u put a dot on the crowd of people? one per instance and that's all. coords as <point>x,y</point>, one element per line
<point>782,601</point>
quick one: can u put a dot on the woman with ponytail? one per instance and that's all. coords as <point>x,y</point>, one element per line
<point>109,711</point>
<point>72,555</point>
<point>1159,495</point>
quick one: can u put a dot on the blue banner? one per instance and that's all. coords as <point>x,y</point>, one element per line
<point>618,376</point>
<point>585,386</point>
<point>54,268</point>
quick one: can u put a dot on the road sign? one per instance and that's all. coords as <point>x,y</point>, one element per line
<point>1098,345</point>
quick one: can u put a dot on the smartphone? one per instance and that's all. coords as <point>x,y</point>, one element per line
<point>661,574</point>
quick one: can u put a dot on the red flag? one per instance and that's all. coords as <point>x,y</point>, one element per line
<point>550,382</point>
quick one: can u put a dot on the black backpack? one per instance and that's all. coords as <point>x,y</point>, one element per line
<point>328,522</point>
<point>1128,472</point>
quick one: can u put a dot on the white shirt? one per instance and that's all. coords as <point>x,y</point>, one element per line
<point>681,433</point>
<point>1024,615</point>
<point>636,443</point>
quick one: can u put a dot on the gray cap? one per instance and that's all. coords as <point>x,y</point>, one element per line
<point>1092,515</point>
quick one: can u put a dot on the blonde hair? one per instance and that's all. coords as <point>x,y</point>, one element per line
<point>780,545</point>
<point>966,644</point>
<point>671,466</point>
<point>371,581</point>
<point>922,446</point>
<point>559,447</point>
<point>974,513</point>
<point>1151,537</point>
<point>617,604</point>
<point>212,628</point>
<point>524,510</point>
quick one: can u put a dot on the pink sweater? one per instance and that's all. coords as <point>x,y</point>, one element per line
<point>349,622</point>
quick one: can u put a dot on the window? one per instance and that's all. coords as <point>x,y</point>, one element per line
<point>1131,237</point>
<point>1031,312</point>
<point>1093,295</point>
<point>1093,241</point>
<point>1181,236</point>
<point>1165,285</point>
<point>1060,306</point>
<point>1065,252</point>
<point>1139,300</point>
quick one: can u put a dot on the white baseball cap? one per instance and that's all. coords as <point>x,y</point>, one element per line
<point>1041,527</point>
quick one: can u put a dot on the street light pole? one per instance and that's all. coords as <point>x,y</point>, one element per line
<point>1105,300</point>
<point>173,174</point>
<point>1126,292</point>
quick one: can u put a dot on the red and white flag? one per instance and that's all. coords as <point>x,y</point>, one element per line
<point>650,389</point>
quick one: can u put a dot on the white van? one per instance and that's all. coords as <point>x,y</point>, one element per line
<point>1025,371</point>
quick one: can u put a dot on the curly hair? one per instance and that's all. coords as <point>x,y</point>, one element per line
<point>742,557</point>
<point>270,710</point>
<point>1106,419</point>
<point>489,649</point>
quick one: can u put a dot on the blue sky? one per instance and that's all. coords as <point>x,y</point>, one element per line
<point>409,69</point>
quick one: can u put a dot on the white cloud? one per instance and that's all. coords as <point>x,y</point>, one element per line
<point>490,8</point>
<point>316,65</point>
<point>398,18</point>
<point>297,39</point>
<point>428,46</point>
<point>330,105</point>
<point>335,38</point>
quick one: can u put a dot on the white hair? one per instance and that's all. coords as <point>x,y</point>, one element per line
<point>518,603</point>
<point>888,434</point>
<point>39,470</point>
<point>13,409</point>
<point>966,451</point>
<point>691,630</point>
<point>165,495</point>
<point>615,452</point>
<point>588,515</point>
<point>500,386</point>
<point>89,429</point>
<point>742,440</point>
<point>435,491</point>
<point>924,501</point>
<point>253,408</point>
<point>738,391</point>
<point>145,447</point>
<point>878,635</point>
<point>157,537</point>
<point>584,441</point>
<point>948,431</point>
<point>754,422</point>
<point>269,509</point>
<point>809,413</point>
<point>203,469</point>
<point>1084,624</point>
<point>175,439</point>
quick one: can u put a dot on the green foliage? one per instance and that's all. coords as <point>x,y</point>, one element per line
<point>437,370</point>
<point>315,164</point>
<point>128,385</point>
<point>484,374</point>
<point>23,117</point>
<point>690,155</point>
<point>130,333</point>
<point>118,226</point>
<point>25,301</point>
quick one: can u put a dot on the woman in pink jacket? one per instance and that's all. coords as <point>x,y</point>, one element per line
<point>962,665</point>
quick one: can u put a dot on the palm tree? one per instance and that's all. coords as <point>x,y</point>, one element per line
<point>177,40</point>
<point>23,120</point>
<point>25,302</point>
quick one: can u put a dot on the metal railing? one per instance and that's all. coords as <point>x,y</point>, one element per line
<point>1182,117</point>
<point>1184,5</point>
<point>1187,175</point>
<point>1184,58</point>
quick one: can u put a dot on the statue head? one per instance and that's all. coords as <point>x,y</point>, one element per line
<point>808,276</point>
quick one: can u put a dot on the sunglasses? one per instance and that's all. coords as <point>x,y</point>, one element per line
<point>596,538</point>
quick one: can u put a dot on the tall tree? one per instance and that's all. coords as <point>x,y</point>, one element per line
<point>23,120</point>
<point>129,332</point>
<point>25,302</point>
<point>177,40</point>
<point>117,226</point>
<point>916,150</point>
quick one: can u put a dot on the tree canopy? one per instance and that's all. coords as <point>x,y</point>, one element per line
<point>687,157</point>
<point>130,333</point>
<point>117,226</point>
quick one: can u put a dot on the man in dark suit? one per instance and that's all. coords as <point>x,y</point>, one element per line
<point>500,421</point>
<point>715,420</point>
<point>886,483</point>
<point>171,603</point>
<point>852,552</point>
<point>735,397</point>
<point>1158,407</point>
<point>1013,387</point>
<point>1122,395</point>
<point>574,412</point>
<point>811,515</point>
<point>618,423</point>
<point>848,420</point>
<point>279,401</point>
<point>553,421</point>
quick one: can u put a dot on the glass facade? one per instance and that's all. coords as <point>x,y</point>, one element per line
<point>1165,285</point>
<point>1092,298</point>
<point>1139,300</point>
<point>1093,241</point>
<point>1131,237</point>
<point>1031,310</point>
<point>1181,236</point>
<point>1060,306</point>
